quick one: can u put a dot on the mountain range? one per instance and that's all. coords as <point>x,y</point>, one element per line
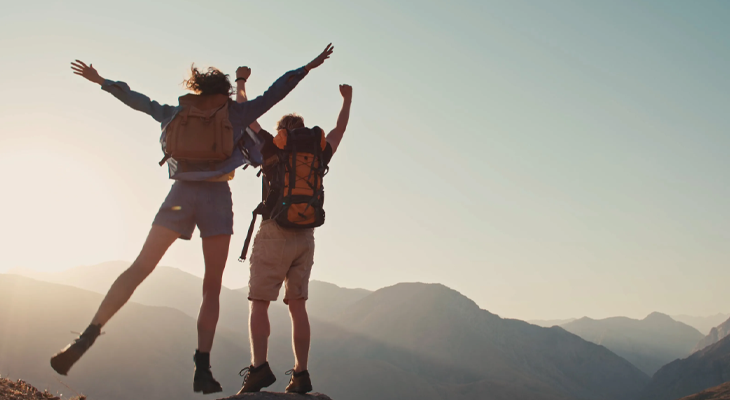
<point>704,369</point>
<point>716,334</point>
<point>410,340</point>
<point>648,344</point>
<point>704,324</point>
<point>547,323</point>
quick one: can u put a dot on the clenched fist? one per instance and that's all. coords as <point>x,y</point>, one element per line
<point>346,91</point>
<point>243,72</point>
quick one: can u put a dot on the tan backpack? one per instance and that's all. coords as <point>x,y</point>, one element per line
<point>201,131</point>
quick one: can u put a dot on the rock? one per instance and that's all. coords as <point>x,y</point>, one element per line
<point>21,390</point>
<point>278,396</point>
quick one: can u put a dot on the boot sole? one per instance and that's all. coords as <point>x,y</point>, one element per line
<point>198,387</point>
<point>300,390</point>
<point>265,384</point>
<point>60,365</point>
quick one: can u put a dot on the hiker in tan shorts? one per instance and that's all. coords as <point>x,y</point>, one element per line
<point>283,249</point>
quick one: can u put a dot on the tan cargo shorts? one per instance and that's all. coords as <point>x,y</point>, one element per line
<point>280,255</point>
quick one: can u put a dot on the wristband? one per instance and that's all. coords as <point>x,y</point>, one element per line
<point>240,78</point>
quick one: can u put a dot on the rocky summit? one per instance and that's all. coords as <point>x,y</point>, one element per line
<point>21,390</point>
<point>278,396</point>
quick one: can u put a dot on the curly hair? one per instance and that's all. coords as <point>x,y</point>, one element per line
<point>290,122</point>
<point>212,81</point>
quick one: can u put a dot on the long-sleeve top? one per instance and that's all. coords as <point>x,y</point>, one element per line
<point>241,115</point>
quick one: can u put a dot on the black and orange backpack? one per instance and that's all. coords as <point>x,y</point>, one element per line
<point>293,189</point>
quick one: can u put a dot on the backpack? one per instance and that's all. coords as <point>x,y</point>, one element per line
<point>293,182</point>
<point>201,130</point>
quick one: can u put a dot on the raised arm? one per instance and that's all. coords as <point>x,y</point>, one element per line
<point>121,91</point>
<point>249,111</point>
<point>242,75</point>
<point>335,135</point>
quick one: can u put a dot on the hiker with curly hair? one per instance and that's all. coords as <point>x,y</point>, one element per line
<point>204,141</point>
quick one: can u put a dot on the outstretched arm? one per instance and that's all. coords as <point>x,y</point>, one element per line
<point>335,136</point>
<point>242,74</point>
<point>249,111</point>
<point>121,91</point>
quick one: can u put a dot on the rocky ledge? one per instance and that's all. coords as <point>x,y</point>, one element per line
<point>278,396</point>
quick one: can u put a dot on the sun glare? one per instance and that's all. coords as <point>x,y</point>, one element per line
<point>59,209</point>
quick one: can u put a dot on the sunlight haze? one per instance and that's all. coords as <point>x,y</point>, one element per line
<point>545,159</point>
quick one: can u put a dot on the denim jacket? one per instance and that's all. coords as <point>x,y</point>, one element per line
<point>240,114</point>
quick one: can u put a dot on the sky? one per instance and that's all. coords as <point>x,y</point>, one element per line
<point>545,159</point>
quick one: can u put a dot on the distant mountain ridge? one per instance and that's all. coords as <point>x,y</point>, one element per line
<point>421,341</point>
<point>144,349</point>
<point>172,287</point>
<point>704,324</point>
<point>716,334</point>
<point>704,369</point>
<point>444,325</point>
<point>648,344</point>
<point>547,323</point>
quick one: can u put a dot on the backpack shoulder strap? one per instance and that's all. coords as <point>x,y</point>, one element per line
<point>323,138</point>
<point>259,210</point>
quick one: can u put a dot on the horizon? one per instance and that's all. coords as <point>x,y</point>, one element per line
<point>28,272</point>
<point>545,160</point>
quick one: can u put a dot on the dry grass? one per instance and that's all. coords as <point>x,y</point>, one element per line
<point>21,390</point>
<point>721,392</point>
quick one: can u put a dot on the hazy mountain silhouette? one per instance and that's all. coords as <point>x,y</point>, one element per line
<point>172,287</point>
<point>441,345</point>
<point>721,392</point>
<point>648,344</point>
<point>166,287</point>
<point>702,324</point>
<point>704,369</point>
<point>326,300</point>
<point>716,334</point>
<point>477,347</point>
<point>146,353</point>
<point>547,323</point>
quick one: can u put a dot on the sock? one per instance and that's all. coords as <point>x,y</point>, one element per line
<point>91,333</point>
<point>202,360</point>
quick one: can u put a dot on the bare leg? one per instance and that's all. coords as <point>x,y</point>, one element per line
<point>259,331</point>
<point>158,241</point>
<point>215,252</point>
<point>300,333</point>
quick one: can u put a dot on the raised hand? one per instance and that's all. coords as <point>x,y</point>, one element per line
<point>243,72</point>
<point>346,91</point>
<point>320,58</point>
<point>87,71</point>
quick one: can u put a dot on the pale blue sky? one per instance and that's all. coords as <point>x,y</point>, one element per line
<point>546,159</point>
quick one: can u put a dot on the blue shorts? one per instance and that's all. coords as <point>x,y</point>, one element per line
<point>205,204</point>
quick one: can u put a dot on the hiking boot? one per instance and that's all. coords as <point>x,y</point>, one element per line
<point>255,379</point>
<point>203,380</point>
<point>299,382</point>
<point>66,358</point>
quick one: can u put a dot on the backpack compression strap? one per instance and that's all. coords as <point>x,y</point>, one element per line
<point>259,210</point>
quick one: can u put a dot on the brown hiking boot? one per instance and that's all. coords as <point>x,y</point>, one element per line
<point>255,379</point>
<point>299,382</point>
<point>62,361</point>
